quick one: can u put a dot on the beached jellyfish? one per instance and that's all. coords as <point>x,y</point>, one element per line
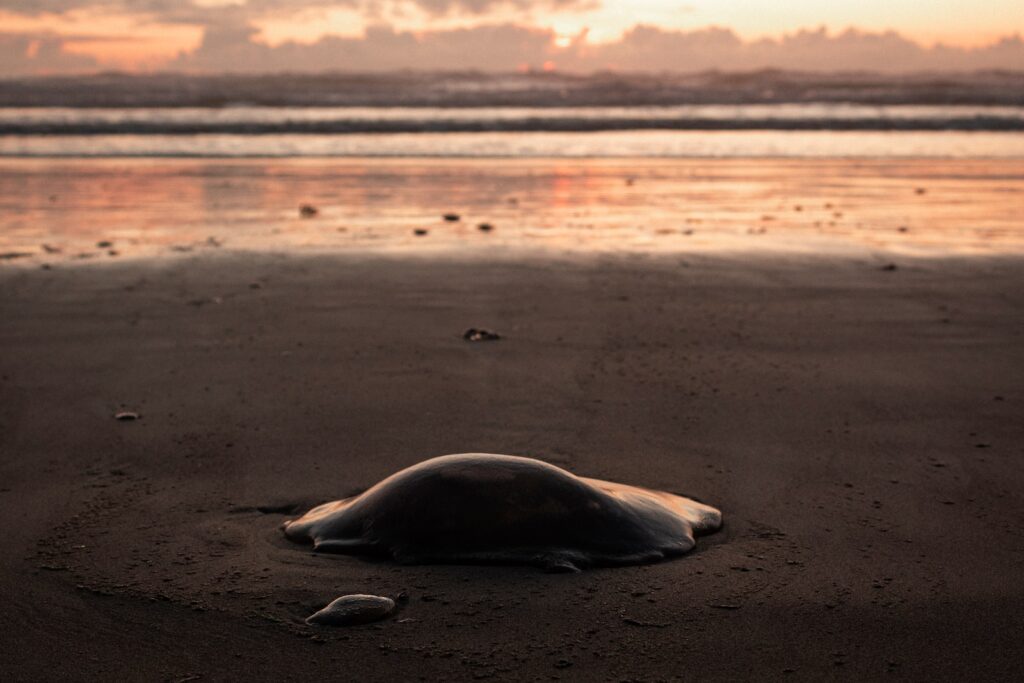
<point>479,507</point>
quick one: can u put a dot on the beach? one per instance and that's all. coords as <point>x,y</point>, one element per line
<point>66,210</point>
<point>853,412</point>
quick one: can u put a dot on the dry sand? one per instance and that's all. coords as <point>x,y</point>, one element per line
<point>860,429</point>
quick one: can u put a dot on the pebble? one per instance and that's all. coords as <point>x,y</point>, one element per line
<point>473,334</point>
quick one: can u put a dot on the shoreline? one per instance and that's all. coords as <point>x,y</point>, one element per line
<point>60,210</point>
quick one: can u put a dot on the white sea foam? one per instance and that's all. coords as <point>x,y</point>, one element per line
<point>606,144</point>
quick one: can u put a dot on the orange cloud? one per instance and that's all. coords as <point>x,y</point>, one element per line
<point>204,36</point>
<point>643,48</point>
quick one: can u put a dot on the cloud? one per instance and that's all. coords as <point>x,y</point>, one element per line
<point>486,48</point>
<point>25,54</point>
<point>482,6</point>
<point>202,12</point>
<point>232,43</point>
<point>643,48</point>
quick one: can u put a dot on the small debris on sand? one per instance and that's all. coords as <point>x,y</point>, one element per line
<point>127,416</point>
<point>351,610</point>
<point>451,217</point>
<point>308,211</point>
<point>890,267</point>
<point>104,244</point>
<point>420,232</point>
<point>213,242</point>
<point>50,249</point>
<point>902,228</point>
<point>8,255</point>
<point>485,227</point>
<point>643,624</point>
<point>474,335</point>
<point>920,190</point>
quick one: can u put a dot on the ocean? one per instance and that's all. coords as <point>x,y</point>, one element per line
<point>116,167</point>
<point>773,115</point>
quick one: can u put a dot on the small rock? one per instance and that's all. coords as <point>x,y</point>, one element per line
<point>889,267</point>
<point>485,227</point>
<point>474,335</point>
<point>104,244</point>
<point>127,416</point>
<point>420,232</point>
<point>50,249</point>
<point>308,211</point>
<point>350,610</point>
<point>451,217</point>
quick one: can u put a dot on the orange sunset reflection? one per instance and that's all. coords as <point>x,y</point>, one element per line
<point>669,206</point>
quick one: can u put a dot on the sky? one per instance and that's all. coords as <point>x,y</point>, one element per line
<point>72,36</point>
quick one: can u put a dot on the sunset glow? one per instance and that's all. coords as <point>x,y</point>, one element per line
<point>116,35</point>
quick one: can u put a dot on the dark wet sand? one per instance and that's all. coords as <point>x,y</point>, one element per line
<point>860,429</point>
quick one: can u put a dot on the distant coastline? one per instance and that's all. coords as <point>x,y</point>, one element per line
<point>532,89</point>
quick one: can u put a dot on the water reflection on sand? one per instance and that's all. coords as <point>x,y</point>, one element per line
<point>60,209</point>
